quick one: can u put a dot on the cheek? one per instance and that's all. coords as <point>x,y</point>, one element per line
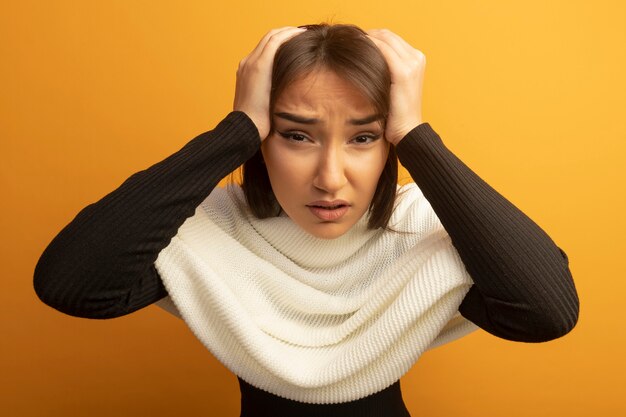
<point>370,166</point>
<point>379,158</point>
<point>285,169</point>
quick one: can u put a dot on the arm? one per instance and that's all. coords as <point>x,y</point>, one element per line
<point>101,265</point>
<point>523,289</point>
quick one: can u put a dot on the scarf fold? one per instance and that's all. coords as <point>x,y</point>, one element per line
<point>309,319</point>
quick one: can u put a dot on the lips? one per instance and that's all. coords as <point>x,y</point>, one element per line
<point>328,204</point>
<point>329,210</point>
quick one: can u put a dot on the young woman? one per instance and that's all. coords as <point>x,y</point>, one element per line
<point>319,281</point>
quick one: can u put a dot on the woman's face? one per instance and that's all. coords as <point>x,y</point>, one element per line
<point>325,154</point>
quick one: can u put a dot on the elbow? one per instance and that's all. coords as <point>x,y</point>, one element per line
<point>533,330</point>
<point>49,286</point>
<point>557,315</point>
<point>559,321</point>
<point>564,322</point>
<point>550,324</point>
<point>69,293</point>
<point>80,306</point>
<point>551,329</point>
<point>542,320</point>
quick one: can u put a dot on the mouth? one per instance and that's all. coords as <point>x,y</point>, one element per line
<point>328,207</point>
<point>329,210</point>
<point>326,204</point>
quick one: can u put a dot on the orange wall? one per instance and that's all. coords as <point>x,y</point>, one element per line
<point>530,94</point>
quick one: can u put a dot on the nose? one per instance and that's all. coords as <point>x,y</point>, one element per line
<point>330,175</point>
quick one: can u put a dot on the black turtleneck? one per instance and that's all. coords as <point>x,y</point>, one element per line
<point>101,265</point>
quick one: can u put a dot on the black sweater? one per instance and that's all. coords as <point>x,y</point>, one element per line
<point>101,265</point>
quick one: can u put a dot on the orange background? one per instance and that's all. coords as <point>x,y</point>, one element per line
<point>530,94</point>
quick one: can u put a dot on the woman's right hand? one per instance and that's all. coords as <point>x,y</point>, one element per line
<point>254,78</point>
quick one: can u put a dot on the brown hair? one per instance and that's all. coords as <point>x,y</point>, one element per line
<point>345,50</point>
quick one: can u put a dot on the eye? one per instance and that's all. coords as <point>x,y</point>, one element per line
<point>293,136</point>
<point>365,139</point>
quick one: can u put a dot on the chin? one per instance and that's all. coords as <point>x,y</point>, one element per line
<point>327,231</point>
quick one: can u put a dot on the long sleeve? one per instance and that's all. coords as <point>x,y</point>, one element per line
<point>523,289</point>
<point>101,265</point>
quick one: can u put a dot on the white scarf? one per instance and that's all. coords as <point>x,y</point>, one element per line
<point>311,319</point>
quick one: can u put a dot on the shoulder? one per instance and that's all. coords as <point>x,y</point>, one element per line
<point>412,212</point>
<point>225,199</point>
<point>224,207</point>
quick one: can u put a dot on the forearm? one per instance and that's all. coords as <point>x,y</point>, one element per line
<point>101,264</point>
<point>523,289</point>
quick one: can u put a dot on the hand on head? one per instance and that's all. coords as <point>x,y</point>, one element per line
<point>330,145</point>
<point>254,78</point>
<point>407,66</point>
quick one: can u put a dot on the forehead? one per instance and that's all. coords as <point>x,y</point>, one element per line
<point>323,89</point>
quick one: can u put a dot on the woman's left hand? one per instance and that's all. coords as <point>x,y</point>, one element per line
<point>407,66</point>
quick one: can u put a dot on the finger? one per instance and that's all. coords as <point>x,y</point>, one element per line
<point>274,35</point>
<point>274,42</point>
<point>391,56</point>
<point>397,43</point>
<point>268,35</point>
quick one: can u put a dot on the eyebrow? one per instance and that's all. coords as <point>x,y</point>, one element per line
<point>311,121</point>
